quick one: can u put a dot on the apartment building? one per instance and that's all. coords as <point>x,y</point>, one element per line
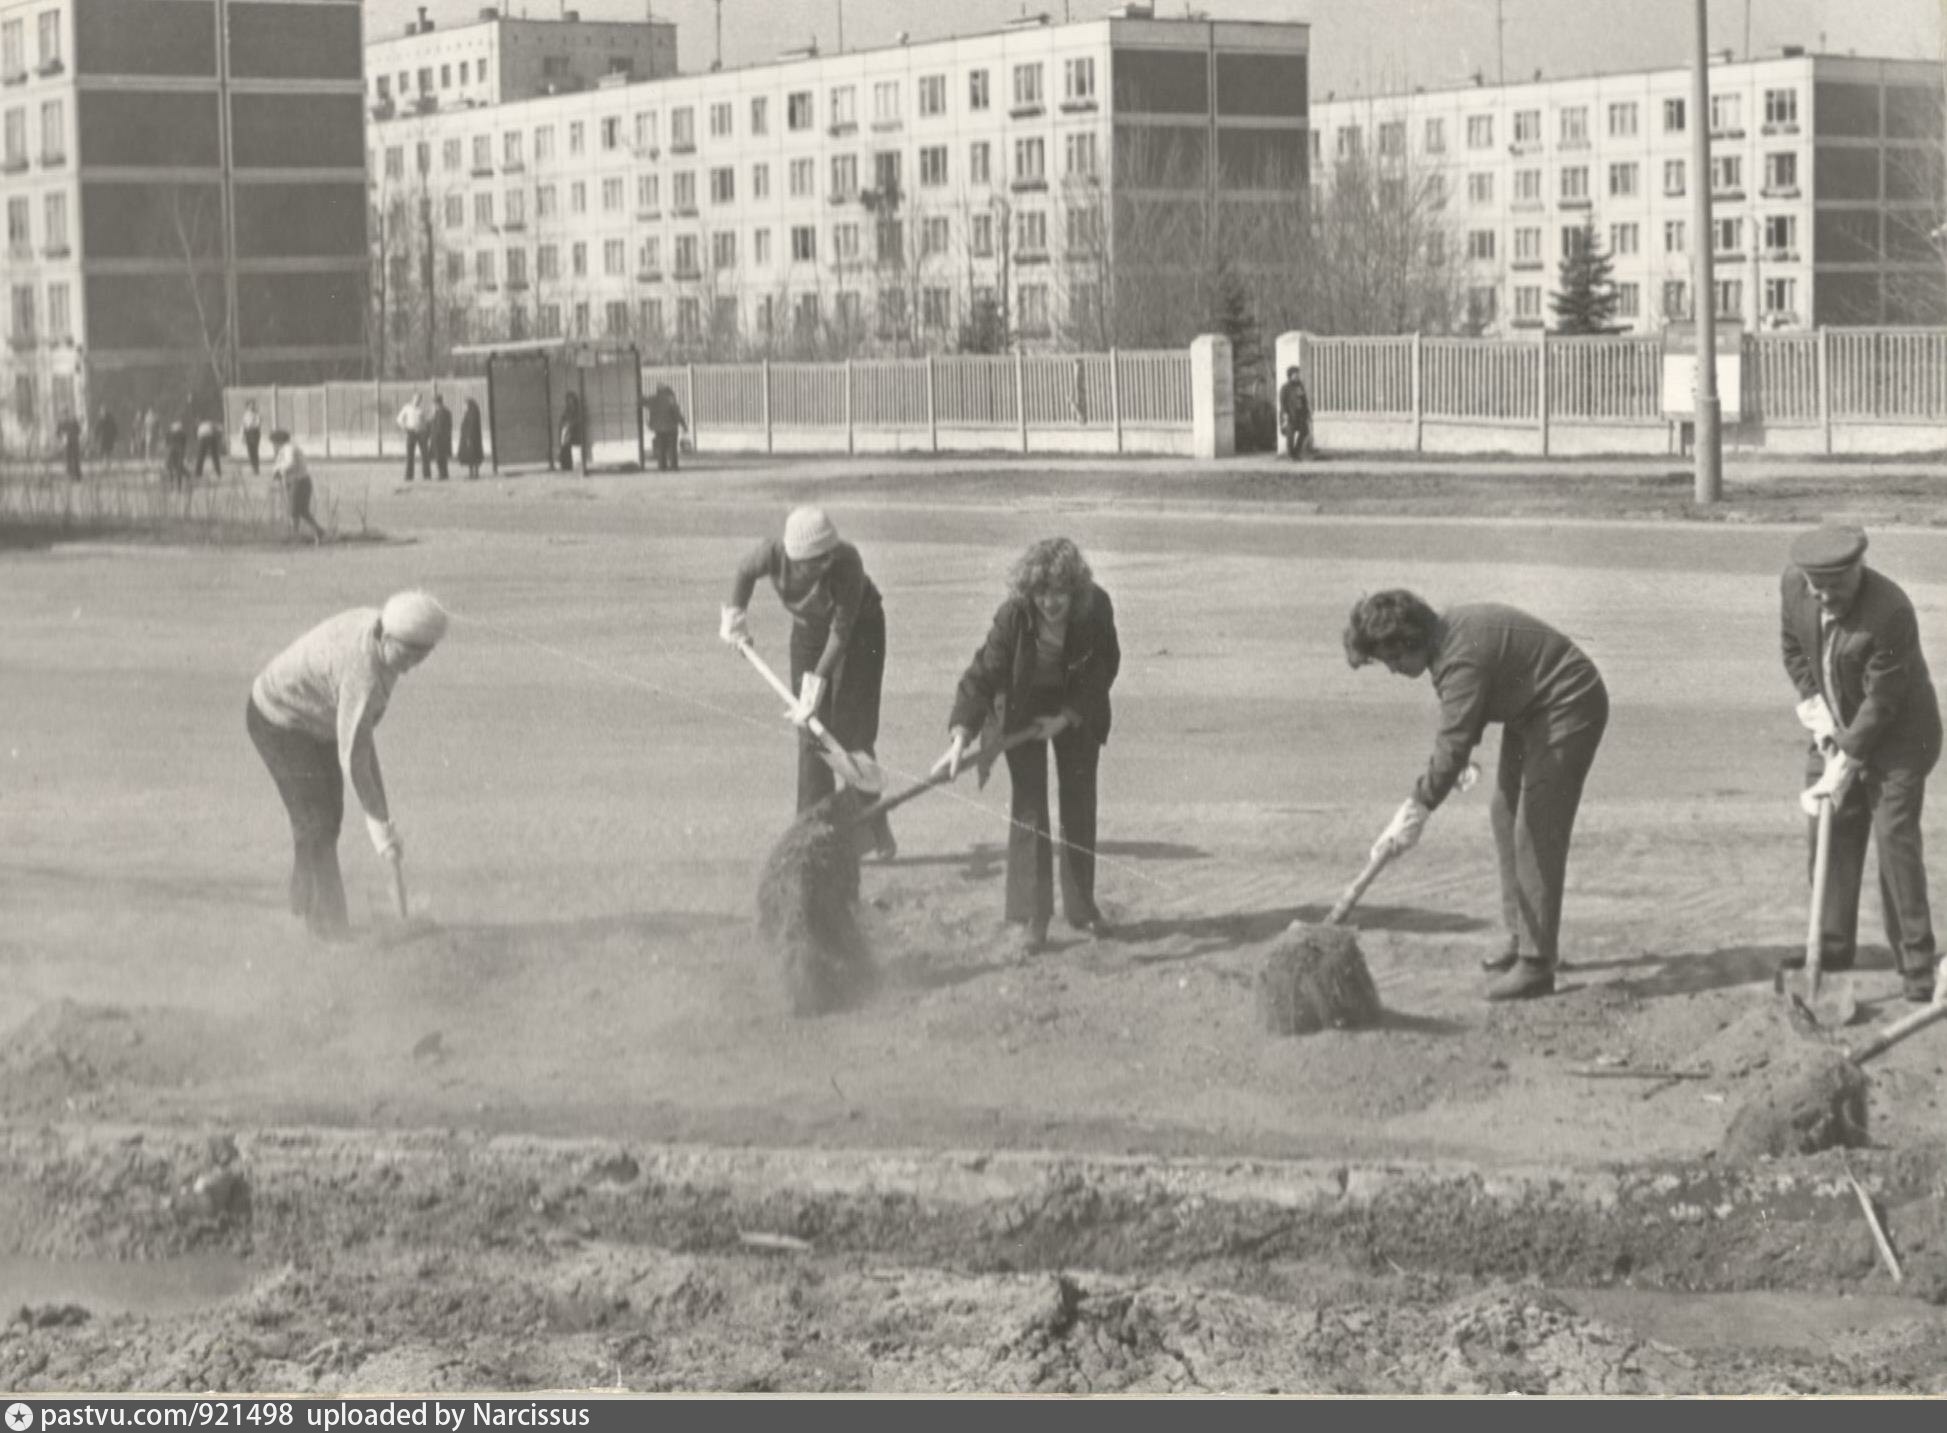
<point>184,188</point>
<point>899,195</point>
<point>1826,176</point>
<point>497,58</point>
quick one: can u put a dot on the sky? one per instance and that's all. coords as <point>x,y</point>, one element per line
<point>1358,46</point>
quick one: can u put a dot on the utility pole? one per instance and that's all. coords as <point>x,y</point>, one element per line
<point>1709,440</point>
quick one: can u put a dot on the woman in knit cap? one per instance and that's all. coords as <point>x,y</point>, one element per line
<point>311,715</point>
<point>1049,660</point>
<point>838,644</point>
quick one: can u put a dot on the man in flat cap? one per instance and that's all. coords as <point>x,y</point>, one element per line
<point>1852,649</point>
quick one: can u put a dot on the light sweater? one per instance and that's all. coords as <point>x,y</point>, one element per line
<point>331,685</point>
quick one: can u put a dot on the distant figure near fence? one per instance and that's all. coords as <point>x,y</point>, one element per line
<point>69,430</point>
<point>666,421</point>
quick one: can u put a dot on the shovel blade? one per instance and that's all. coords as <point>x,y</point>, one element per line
<point>1828,1005</point>
<point>856,770</point>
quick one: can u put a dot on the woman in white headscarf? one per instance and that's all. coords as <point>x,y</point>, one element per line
<point>311,715</point>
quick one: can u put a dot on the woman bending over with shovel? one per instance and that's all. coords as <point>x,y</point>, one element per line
<point>838,651</point>
<point>1490,663</point>
<point>311,716</point>
<point>1049,660</point>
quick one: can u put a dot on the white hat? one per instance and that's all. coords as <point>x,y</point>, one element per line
<point>808,533</point>
<point>414,618</point>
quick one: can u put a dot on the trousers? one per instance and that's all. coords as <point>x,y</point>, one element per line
<point>1031,862</point>
<point>306,773</point>
<point>850,709</point>
<point>1537,792</point>
<point>1884,806</point>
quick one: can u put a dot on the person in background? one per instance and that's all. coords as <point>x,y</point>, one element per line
<point>311,714</point>
<point>68,430</point>
<point>440,438</point>
<point>151,433</point>
<point>472,452</point>
<point>253,425</point>
<point>573,434</point>
<point>107,434</point>
<point>412,424</point>
<point>666,421</point>
<point>209,447</point>
<point>1295,413</point>
<point>1046,666</point>
<point>289,471</point>
<point>175,468</point>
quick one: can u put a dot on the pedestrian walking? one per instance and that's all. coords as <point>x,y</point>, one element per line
<point>290,472</point>
<point>666,421</point>
<point>471,452</point>
<point>253,435</point>
<point>209,447</point>
<point>573,434</point>
<point>440,437</point>
<point>412,424</point>
<point>1295,413</point>
<point>175,471</point>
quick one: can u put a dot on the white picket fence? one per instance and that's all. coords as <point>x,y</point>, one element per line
<point>1135,401</point>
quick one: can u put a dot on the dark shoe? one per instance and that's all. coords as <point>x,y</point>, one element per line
<point>1528,980</point>
<point>1917,986</point>
<point>886,850</point>
<point>1502,960</point>
<point>1028,940</point>
<point>1094,926</point>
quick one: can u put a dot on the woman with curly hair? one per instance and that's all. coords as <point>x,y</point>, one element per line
<point>1047,664</point>
<point>1492,663</point>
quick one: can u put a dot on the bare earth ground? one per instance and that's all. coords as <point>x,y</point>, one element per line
<point>588,783</point>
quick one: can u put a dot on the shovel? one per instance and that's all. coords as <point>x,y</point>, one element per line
<point>981,760</point>
<point>1374,865</point>
<point>1811,1000</point>
<point>854,768</point>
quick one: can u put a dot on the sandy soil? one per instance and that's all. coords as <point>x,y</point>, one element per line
<point>587,784</point>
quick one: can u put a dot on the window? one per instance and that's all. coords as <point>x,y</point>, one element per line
<point>1730,298</point>
<point>466,69</point>
<point>1527,186</point>
<point>1575,183</point>
<point>547,321</point>
<point>13,59</point>
<point>20,233</point>
<point>1622,181</point>
<point>1436,191</point>
<point>57,312</point>
<point>50,37</point>
<point>517,268</point>
<point>797,110</point>
<point>652,317</point>
<point>1480,131</point>
<point>1673,116</point>
<point>804,243</point>
<point>892,242</point>
<point>1624,238</point>
<point>689,319</point>
<point>1527,126</point>
<point>1673,177</point>
<point>483,154</point>
<point>934,236</point>
<point>544,202</point>
<point>1436,248</point>
<point>804,178</point>
<point>1084,231</point>
<point>936,308</point>
<point>616,316</point>
<point>451,154</point>
<point>1730,236</point>
<point>1780,233</point>
<point>1781,296</point>
<point>23,310</point>
<point>932,94</point>
<point>1480,189</point>
<point>395,155</point>
<point>723,185</point>
<point>844,107</point>
<point>1078,81</point>
<point>722,120</point>
<point>578,259</point>
<point>1436,136</point>
<point>1030,161</point>
<point>547,262</point>
<point>1575,241</point>
<point>1480,244</point>
<point>578,197</point>
<point>1622,120</point>
<point>1034,307</point>
<point>845,176</point>
<point>543,143</point>
<point>1727,114</point>
<point>516,203</point>
<point>1031,232</point>
<point>1349,142</point>
<point>845,243</point>
<point>612,195</point>
<point>483,211</point>
<point>682,192</point>
<point>1781,173</point>
<point>687,264</point>
<point>1027,87</point>
<point>932,166</point>
<point>1392,139</point>
<point>510,149</point>
<point>1629,301</point>
<point>977,93</point>
<point>611,133</point>
<point>885,102</point>
<point>980,162</point>
<point>54,132</point>
<point>1527,246</point>
<point>980,235</point>
<point>760,115</point>
<point>1081,156</point>
<point>575,132</point>
<point>1780,108</point>
<point>455,268</point>
<point>446,77</point>
<point>1673,236</point>
<point>682,128</point>
<point>723,250</point>
<point>760,181</point>
<point>1483,306</point>
<point>648,194</point>
<point>455,211</point>
<point>649,260</point>
<point>1575,126</point>
<point>581,320</point>
<point>760,248</point>
<point>483,269</point>
<point>1726,174</point>
<point>1527,303</point>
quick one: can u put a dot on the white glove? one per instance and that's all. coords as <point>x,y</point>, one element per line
<point>1940,983</point>
<point>811,691</point>
<point>1402,833</point>
<point>385,838</point>
<point>1464,783</point>
<point>1840,770</point>
<point>733,626</point>
<point>1816,717</point>
<point>956,753</point>
<point>1047,728</point>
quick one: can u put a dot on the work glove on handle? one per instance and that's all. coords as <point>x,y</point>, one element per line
<point>811,691</point>
<point>1469,775</point>
<point>1816,717</point>
<point>1840,771</point>
<point>1402,833</point>
<point>1047,728</point>
<point>385,838</point>
<point>734,626</point>
<point>954,757</point>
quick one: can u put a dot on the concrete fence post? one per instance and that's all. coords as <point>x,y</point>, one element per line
<point>769,445</point>
<point>1115,395</point>
<point>1541,388</point>
<point>1021,396</point>
<point>1213,399</point>
<point>932,407</point>
<point>1825,388</point>
<point>1419,400</point>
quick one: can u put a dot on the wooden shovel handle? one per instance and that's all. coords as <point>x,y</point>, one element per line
<point>1374,865</point>
<point>1815,925</point>
<point>779,686</point>
<point>982,757</point>
<point>1891,1035</point>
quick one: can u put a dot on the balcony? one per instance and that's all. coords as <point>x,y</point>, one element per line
<point>516,285</point>
<point>1732,195</point>
<point>682,211</point>
<point>649,276</point>
<point>382,109</point>
<point>1028,186</point>
<point>1734,256</point>
<point>1030,256</point>
<point>1787,126</point>
<point>14,164</point>
<point>1780,191</point>
<point>1781,256</point>
<point>50,67</point>
<point>487,286</point>
<point>840,128</point>
<point>1729,132</point>
<point>512,166</point>
<point>888,126</point>
<point>14,77</point>
<point>683,146</point>
<point>513,226</point>
<point>1081,104</point>
<point>648,216</point>
<point>1519,264</point>
<point>1582,203</point>
<point>482,171</point>
<point>1525,146</point>
<point>1536,322</point>
<point>53,159</point>
<point>689,275</point>
<point>56,251</point>
<point>425,104</point>
<point>1025,111</point>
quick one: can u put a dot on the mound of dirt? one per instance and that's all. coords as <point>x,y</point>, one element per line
<point>70,1055</point>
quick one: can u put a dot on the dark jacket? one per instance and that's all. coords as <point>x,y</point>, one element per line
<point>1294,405</point>
<point>665,413</point>
<point>470,449</point>
<point>824,610</point>
<point>1887,713</point>
<point>1002,671</point>
<point>442,438</point>
<point>1496,663</point>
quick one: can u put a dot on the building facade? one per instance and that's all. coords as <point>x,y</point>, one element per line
<point>184,189</point>
<point>905,197</point>
<point>497,58</point>
<point>1826,180</point>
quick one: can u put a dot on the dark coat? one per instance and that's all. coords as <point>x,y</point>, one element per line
<point>665,413</point>
<point>1294,406</point>
<point>471,451</point>
<point>1002,671</point>
<point>1886,709</point>
<point>442,438</point>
